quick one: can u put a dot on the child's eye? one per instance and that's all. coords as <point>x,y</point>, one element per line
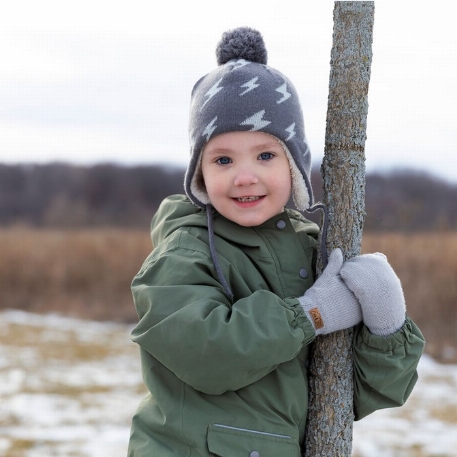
<point>223,160</point>
<point>266,156</point>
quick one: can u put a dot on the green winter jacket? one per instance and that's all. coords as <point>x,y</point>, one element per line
<point>228,377</point>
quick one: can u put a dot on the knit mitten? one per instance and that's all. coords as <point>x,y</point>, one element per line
<point>328,303</point>
<point>378,290</point>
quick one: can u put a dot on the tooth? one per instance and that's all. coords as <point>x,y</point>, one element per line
<point>248,199</point>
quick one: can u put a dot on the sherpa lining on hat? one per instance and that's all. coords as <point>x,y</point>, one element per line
<point>197,185</point>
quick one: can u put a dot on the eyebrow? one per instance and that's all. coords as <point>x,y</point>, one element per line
<point>268,145</point>
<point>260,147</point>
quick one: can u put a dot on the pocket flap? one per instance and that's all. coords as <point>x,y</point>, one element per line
<point>225,441</point>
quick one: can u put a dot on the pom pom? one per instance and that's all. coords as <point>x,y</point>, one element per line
<point>241,43</point>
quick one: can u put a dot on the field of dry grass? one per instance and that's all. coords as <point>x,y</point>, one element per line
<point>427,266</point>
<point>87,273</point>
<point>81,273</point>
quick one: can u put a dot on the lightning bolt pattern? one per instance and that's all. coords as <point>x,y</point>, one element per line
<point>291,131</point>
<point>209,129</point>
<point>250,85</point>
<point>256,120</point>
<point>212,92</point>
<point>283,90</point>
<point>238,64</point>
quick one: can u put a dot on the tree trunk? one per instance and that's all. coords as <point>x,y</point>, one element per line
<point>330,417</point>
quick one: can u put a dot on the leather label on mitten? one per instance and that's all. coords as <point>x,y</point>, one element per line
<point>317,318</point>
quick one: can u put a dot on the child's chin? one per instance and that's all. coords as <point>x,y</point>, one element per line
<point>250,222</point>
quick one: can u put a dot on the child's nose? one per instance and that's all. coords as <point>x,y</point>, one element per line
<point>245,177</point>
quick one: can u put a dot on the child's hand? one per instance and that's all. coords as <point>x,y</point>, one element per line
<point>378,290</point>
<point>329,304</point>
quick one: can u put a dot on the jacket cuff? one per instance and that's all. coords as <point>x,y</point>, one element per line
<point>389,343</point>
<point>301,320</point>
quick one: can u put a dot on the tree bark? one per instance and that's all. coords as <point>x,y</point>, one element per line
<point>330,416</point>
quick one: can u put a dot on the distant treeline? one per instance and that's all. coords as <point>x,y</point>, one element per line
<point>70,196</point>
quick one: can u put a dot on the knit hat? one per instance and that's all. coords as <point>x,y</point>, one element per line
<point>244,94</point>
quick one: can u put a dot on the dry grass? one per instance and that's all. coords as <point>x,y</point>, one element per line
<point>87,273</point>
<point>427,266</point>
<point>81,273</point>
<point>58,345</point>
<point>445,413</point>
<point>20,447</point>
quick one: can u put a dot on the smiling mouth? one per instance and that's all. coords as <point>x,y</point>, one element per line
<point>248,199</point>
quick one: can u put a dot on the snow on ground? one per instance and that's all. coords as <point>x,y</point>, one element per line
<point>425,426</point>
<point>69,388</point>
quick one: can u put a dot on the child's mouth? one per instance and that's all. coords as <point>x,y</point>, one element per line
<point>248,199</point>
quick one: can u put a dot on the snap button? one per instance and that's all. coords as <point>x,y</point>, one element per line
<point>254,454</point>
<point>303,273</point>
<point>280,224</point>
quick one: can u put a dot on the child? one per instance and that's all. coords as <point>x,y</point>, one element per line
<point>227,301</point>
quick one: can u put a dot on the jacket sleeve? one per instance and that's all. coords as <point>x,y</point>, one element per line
<point>191,328</point>
<point>385,367</point>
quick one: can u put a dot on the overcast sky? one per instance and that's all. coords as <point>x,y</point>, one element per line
<point>95,81</point>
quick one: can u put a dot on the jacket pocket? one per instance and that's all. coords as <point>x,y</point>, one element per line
<point>226,441</point>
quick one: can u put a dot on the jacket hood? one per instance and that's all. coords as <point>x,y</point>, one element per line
<point>175,212</point>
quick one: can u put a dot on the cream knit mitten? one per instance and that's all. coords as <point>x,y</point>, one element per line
<point>328,303</point>
<point>378,290</point>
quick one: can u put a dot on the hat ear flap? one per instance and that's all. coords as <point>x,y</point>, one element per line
<point>300,193</point>
<point>197,183</point>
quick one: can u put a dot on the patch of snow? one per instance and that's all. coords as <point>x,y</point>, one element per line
<point>82,407</point>
<point>402,431</point>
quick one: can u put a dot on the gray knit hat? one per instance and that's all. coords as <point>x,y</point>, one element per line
<point>244,94</point>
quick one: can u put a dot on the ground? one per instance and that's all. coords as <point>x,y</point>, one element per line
<point>69,388</point>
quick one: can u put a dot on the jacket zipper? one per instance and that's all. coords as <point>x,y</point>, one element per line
<point>252,431</point>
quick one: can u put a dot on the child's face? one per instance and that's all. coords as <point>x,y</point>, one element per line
<point>247,176</point>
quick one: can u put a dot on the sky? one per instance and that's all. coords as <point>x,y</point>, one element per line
<point>110,81</point>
